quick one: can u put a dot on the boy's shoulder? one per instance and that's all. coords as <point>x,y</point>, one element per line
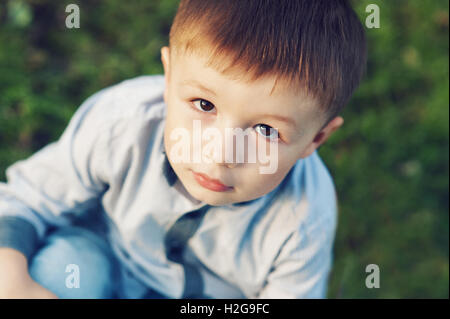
<point>138,90</point>
<point>143,86</point>
<point>144,83</point>
<point>131,98</point>
<point>312,174</point>
<point>310,193</point>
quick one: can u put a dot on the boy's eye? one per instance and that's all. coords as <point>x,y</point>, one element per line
<point>204,105</point>
<point>267,131</point>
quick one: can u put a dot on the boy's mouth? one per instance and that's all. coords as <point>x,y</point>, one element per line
<point>210,183</point>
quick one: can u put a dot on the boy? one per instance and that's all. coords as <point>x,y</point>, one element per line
<point>177,228</point>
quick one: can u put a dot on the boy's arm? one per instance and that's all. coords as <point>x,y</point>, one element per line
<point>66,176</point>
<point>302,268</point>
<point>15,281</point>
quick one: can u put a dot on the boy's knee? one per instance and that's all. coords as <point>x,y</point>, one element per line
<point>75,263</point>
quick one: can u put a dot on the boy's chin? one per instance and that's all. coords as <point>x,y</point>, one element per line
<point>211,198</point>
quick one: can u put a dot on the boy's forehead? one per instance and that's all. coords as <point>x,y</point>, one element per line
<point>192,70</point>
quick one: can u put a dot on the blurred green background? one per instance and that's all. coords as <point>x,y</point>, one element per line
<point>390,159</point>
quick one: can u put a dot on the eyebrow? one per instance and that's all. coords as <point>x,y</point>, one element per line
<point>281,118</point>
<point>194,83</point>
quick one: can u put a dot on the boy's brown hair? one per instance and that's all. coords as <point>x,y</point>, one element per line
<point>317,45</point>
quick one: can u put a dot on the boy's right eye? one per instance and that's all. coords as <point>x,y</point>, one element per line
<point>203,105</point>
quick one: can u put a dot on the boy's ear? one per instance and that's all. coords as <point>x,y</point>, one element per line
<point>165,59</point>
<point>322,136</point>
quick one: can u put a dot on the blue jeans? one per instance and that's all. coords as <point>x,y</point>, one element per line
<point>74,262</point>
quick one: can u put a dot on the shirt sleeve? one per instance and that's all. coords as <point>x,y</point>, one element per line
<point>302,268</point>
<point>64,178</point>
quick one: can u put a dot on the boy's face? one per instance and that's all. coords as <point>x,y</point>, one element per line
<point>235,104</point>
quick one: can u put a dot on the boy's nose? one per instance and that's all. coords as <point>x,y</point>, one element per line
<point>228,155</point>
<point>222,159</point>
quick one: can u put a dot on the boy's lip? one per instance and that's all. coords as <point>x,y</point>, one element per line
<point>210,183</point>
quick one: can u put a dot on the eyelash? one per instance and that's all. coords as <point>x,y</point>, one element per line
<point>278,139</point>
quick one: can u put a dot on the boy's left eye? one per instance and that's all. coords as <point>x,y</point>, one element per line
<point>267,131</point>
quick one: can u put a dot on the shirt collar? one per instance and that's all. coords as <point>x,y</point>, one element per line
<point>168,171</point>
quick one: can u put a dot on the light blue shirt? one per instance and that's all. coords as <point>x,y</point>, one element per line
<point>277,246</point>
